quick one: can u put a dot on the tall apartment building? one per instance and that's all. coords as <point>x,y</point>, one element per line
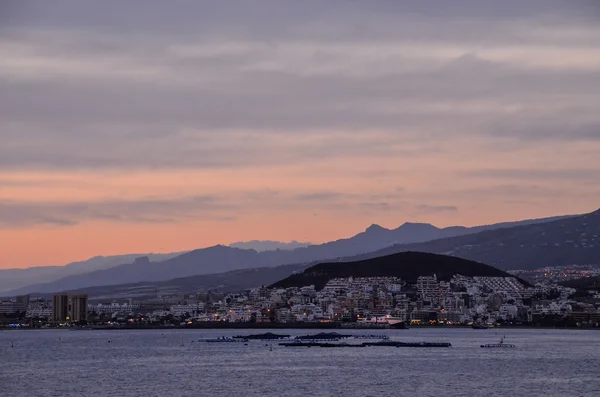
<point>60,307</point>
<point>78,307</point>
<point>69,307</point>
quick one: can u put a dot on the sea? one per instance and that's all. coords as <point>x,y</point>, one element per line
<point>172,363</point>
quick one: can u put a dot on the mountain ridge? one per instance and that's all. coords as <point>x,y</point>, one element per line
<point>269,245</point>
<point>219,259</point>
<point>565,241</point>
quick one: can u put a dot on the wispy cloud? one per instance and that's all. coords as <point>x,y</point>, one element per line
<point>436,208</point>
<point>26,214</point>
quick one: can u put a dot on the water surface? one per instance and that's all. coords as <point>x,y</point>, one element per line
<point>153,363</point>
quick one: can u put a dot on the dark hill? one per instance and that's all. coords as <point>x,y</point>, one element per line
<point>406,265</point>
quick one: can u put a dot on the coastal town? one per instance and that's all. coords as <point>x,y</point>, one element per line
<point>359,302</point>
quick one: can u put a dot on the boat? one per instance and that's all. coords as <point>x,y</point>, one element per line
<point>399,325</point>
<point>500,345</point>
<point>480,326</point>
<point>383,322</point>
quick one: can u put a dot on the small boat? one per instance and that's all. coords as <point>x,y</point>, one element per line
<point>500,345</point>
<point>399,325</point>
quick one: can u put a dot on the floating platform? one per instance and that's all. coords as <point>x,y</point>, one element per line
<point>367,344</point>
<point>375,336</point>
<point>408,344</point>
<point>324,336</point>
<point>498,345</point>
<point>266,336</point>
<point>318,344</point>
<point>223,340</point>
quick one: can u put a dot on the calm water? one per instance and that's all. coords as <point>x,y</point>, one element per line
<point>153,363</point>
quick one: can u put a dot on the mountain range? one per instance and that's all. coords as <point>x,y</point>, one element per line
<point>488,244</point>
<point>566,241</point>
<point>17,278</point>
<point>268,245</point>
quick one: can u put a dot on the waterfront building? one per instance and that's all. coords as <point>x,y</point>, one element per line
<point>69,307</point>
<point>60,307</point>
<point>78,306</point>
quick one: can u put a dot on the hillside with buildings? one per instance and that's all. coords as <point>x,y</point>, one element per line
<point>408,266</point>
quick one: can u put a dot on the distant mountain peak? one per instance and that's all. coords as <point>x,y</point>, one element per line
<point>219,247</point>
<point>142,260</point>
<point>269,245</point>
<point>415,225</point>
<point>375,228</point>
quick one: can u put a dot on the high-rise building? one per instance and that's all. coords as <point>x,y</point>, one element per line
<point>60,307</point>
<point>78,307</point>
<point>70,307</point>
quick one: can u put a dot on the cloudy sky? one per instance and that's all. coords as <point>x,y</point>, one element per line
<point>138,126</point>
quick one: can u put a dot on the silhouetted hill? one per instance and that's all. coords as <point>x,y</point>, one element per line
<point>567,241</point>
<point>406,265</point>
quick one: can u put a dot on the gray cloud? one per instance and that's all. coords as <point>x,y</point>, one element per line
<point>375,207</point>
<point>199,85</point>
<point>423,208</point>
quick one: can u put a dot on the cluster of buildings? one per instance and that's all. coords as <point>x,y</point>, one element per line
<point>63,309</point>
<point>359,302</point>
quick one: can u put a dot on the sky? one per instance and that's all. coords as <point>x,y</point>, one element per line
<point>161,126</point>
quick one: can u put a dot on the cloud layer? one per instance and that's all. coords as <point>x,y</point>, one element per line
<point>331,104</point>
